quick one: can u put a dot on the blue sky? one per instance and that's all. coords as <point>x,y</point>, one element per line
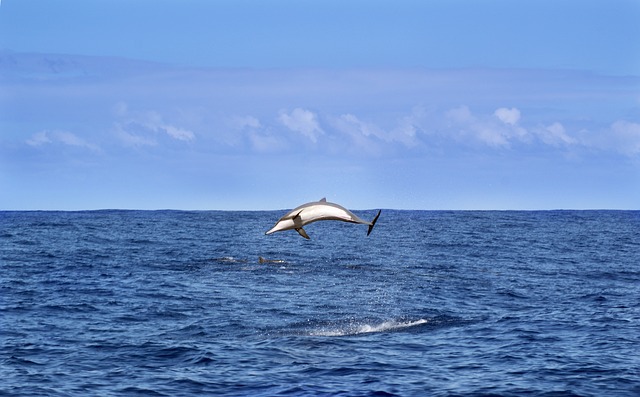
<point>264,105</point>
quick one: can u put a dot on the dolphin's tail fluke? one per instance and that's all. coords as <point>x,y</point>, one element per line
<point>373,223</point>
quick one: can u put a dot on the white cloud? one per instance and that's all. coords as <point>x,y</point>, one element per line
<point>302,121</point>
<point>508,116</point>
<point>461,115</point>
<point>407,129</point>
<point>134,128</point>
<point>178,133</point>
<point>510,119</point>
<point>131,139</point>
<point>501,129</point>
<point>555,135</point>
<point>153,121</point>
<point>69,139</point>
<point>147,120</point>
<point>120,109</point>
<point>626,136</point>
<point>369,136</point>
<point>236,131</point>
<point>248,132</point>
<point>364,136</point>
<point>491,135</point>
<point>38,139</point>
<point>266,143</point>
<point>471,128</point>
<point>63,137</point>
<point>355,127</point>
<point>242,122</point>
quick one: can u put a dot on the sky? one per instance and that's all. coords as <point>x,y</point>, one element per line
<point>254,105</point>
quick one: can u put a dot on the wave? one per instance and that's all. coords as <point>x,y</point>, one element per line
<point>352,328</point>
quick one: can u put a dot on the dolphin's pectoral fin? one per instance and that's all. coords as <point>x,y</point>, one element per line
<point>303,233</point>
<point>323,200</point>
<point>373,223</point>
<point>297,219</point>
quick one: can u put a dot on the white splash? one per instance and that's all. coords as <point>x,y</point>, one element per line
<point>357,329</point>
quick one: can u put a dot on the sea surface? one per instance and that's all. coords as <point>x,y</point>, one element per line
<point>432,303</point>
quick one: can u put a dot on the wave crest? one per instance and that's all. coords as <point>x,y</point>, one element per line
<point>366,328</point>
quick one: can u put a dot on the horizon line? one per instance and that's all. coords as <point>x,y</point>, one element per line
<point>288,209</point>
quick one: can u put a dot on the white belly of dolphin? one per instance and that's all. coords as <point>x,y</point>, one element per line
<point>317,211</point>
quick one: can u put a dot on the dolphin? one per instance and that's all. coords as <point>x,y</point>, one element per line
<point>318,211</point>
<point>263,260</point>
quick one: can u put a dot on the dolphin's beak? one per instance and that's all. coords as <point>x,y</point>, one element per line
<point>285,224</point>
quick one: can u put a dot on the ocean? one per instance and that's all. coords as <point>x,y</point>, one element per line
<point>432,303</point>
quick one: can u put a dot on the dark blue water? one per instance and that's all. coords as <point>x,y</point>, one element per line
<point>170,303</point>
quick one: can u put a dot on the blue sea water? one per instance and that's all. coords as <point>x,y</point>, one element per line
<point>176,303</point>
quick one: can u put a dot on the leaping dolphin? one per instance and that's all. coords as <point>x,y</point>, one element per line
<point>318,211</point>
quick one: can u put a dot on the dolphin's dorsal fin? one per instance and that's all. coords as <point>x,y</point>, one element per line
<point>323,200</point>
<point>303,233</point>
